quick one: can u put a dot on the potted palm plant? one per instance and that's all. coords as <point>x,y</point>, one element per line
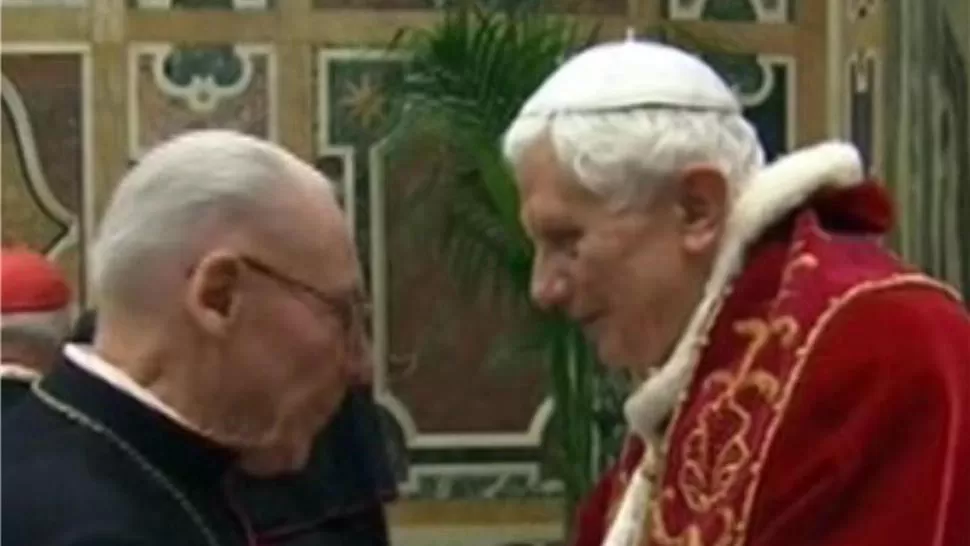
<point>463,83</point>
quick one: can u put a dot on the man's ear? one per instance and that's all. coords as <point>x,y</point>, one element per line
<point>213,292</point>
<point>702,203</point>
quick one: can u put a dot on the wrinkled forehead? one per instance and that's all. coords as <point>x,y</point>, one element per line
<point>549,193</point>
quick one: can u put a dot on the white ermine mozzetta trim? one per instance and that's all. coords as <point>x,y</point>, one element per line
<point>772,194</point>
<point>629,520</point>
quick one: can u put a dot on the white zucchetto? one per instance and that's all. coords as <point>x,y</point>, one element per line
<point>631,74</point>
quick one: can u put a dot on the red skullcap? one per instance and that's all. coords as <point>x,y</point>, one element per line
<point>30,283</point>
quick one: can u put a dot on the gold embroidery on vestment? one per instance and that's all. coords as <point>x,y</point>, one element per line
<point>705,479</point>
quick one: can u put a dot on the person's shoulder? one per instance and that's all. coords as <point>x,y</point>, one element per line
<point>881,403</point>
<point>12,392</point>
<point>47,477</point>
<point>50,466</point>
<point>67,499</point>
<point>923,305</point>
<point>31,433</point>
<point>908,335</point>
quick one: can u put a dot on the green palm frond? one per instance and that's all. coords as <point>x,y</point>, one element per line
<point>464,81</point>
<point>469,76</point>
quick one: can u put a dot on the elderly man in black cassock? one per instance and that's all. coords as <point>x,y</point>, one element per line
<point>230,328</point>
<point>337,500</point>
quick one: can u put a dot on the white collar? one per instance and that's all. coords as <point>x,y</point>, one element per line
<point>17,372</point>
<point>86,359</point>
<point>773,193</point>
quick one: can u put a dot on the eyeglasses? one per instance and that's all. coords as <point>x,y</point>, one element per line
<point>353,312</point>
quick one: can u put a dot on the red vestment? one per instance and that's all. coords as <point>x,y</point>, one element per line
<point>829,407</point>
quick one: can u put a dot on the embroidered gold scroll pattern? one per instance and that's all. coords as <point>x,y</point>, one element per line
<point>805,351</point>
<point>709,472</point>
<point>801,261</point>
<point>692,534</point>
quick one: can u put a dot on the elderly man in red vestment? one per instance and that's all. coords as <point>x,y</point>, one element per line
<point>801,386</point>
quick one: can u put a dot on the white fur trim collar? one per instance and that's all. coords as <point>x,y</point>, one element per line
<point>772,194</point>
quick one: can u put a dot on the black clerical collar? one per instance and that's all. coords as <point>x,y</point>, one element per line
<point>181,454</point>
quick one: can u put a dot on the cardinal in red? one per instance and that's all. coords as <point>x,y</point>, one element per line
<point>802,385</point>
<point>36,318</point>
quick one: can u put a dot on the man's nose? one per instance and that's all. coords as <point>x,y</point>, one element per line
<point>548,287</point>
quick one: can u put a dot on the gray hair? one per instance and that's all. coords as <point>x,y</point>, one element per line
<point>166,206</point>
<point>623,156</point>
<point>43,331</point>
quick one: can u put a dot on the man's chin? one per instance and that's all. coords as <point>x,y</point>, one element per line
<point>611,358</point>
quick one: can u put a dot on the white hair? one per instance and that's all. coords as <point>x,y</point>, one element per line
<point>41,330</point>
<point>623,155</point>
<point>168,204</point>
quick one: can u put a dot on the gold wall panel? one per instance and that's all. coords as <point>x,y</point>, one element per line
<point>46,153</point>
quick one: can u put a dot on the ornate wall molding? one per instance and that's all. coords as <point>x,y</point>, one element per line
<point>356,153</point>
<point>760,11</point>
<point>43,3</point>
<point>766,85</point>
<point>173,88</point>
<point>863,104</point>
<point>203,4</point>
<point>73,232</point>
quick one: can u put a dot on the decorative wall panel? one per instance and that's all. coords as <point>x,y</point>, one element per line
<point>860,9</point>
<point>765,85</point>
<point>468,429</point>
<point>598,7</point>
<point>202,4</point>
<point>176,88</point>
<point>863,101</point>
<point>46,154</point>
<point>43,3</point>
<point>752,11</point>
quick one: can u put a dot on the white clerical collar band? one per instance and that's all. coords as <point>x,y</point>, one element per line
<point>17,372</point>
<point>85,358</point>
